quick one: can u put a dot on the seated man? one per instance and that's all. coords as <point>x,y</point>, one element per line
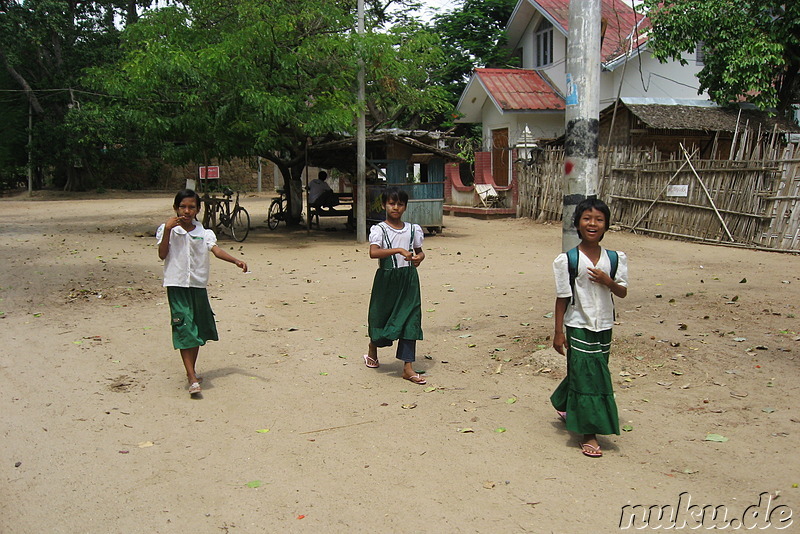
<point>320,193</point>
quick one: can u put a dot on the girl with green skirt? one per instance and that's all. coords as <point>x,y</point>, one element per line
<point>585,398</point>
<point>395,308</point>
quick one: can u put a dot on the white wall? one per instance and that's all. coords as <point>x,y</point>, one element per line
<point>542,125</point>
<point>661,80</point>
<point>657,80</point>
<point>556,70</point>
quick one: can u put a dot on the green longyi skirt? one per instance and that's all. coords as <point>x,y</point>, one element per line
<point>586,393</point>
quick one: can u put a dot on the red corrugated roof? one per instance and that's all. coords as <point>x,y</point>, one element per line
<point>520,90</point>
<point>621,22</point>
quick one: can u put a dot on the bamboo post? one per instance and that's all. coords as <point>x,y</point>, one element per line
<point>708,195</point>
<point>646,211</point>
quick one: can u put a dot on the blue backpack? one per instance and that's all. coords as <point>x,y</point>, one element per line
<point>572,267</point>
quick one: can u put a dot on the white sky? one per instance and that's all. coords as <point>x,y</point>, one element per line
<point>428,7</point>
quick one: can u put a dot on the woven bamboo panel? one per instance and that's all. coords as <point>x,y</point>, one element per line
<point>751,200</point>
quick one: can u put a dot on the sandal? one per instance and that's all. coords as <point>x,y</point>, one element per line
<point>194,388</point>
<point>372,363</point>
<point>591,451</point>
<point>562,415</point>
<point>417,379</point>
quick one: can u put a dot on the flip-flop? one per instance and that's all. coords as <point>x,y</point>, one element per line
<point>372,363</point>
<point>194,388</point>
<point>562,415</point>
<point>416,379</point>
<point>591,451</point>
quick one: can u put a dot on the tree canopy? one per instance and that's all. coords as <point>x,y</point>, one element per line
<point>113,81</point>
<point>252,77</point>
<point>751,47</point>
<point>472,35</point>
<point>198,80</point>
<point>44,47</point>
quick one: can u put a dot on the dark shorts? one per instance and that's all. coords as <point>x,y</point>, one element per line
<point>191,317</point>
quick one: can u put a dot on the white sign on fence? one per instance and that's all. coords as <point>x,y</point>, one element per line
<point>678,190</point>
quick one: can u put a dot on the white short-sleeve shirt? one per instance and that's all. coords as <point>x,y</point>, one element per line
<point>315,189</point>
<point>187,263</point>
<point>397,239</point>
<point>593,306</point>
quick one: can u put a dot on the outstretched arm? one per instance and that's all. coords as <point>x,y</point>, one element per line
<point>221,254</point>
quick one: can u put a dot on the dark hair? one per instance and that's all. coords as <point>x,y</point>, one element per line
<point>186,193</point>
<point>396,194</point>
<point>322,175</point>
<point>589,203</point>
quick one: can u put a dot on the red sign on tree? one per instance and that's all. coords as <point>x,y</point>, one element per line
<point>210,172</point>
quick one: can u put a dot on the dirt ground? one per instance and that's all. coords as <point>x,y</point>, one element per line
<point>294,434</point>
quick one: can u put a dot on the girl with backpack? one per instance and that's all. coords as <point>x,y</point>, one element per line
<point>585,398</point>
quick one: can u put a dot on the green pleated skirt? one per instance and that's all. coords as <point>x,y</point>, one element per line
<point>586,393</point>
<point>191,316</point>
<point>395,307</point>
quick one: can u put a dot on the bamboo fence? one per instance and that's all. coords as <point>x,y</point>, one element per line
<point>751,200</point>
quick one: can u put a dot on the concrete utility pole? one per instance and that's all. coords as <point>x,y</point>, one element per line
<point>583,112</point>
<point>30,150</point>
<point>361,143</point>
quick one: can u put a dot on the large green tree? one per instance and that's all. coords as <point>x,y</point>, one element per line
<point>44,47</point>
<point>14,118</point>
<point>472,35</point>
<point>215,80</point>
<point>751,47</point>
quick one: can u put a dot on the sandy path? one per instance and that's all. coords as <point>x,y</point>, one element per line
<point>99,434</point>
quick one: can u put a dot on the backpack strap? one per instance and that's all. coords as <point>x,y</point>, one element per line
<point>614,257</point>
<point>572,268</point>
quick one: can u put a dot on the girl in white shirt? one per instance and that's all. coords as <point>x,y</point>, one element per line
<point>395,308</point>
<point>184,245</point>
<point>585,398</point>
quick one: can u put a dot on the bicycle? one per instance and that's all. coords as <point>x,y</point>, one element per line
<point>277,210</point>
<point>236,219</point>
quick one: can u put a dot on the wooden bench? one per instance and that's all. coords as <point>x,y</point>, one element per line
<point>346,200</point>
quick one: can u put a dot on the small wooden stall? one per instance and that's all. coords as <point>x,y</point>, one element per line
<point>399,159</point>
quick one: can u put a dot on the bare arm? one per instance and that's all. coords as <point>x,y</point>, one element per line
<point>221,254</point>
<point>376,252</point>
<point>163,247</point>
<point>418,256</point>
<point>559,338</point>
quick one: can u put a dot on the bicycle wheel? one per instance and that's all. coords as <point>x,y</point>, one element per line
<point>240,224</point>
<point>275,214</point>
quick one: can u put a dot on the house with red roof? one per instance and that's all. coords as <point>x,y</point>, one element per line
<point>521,107</point>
